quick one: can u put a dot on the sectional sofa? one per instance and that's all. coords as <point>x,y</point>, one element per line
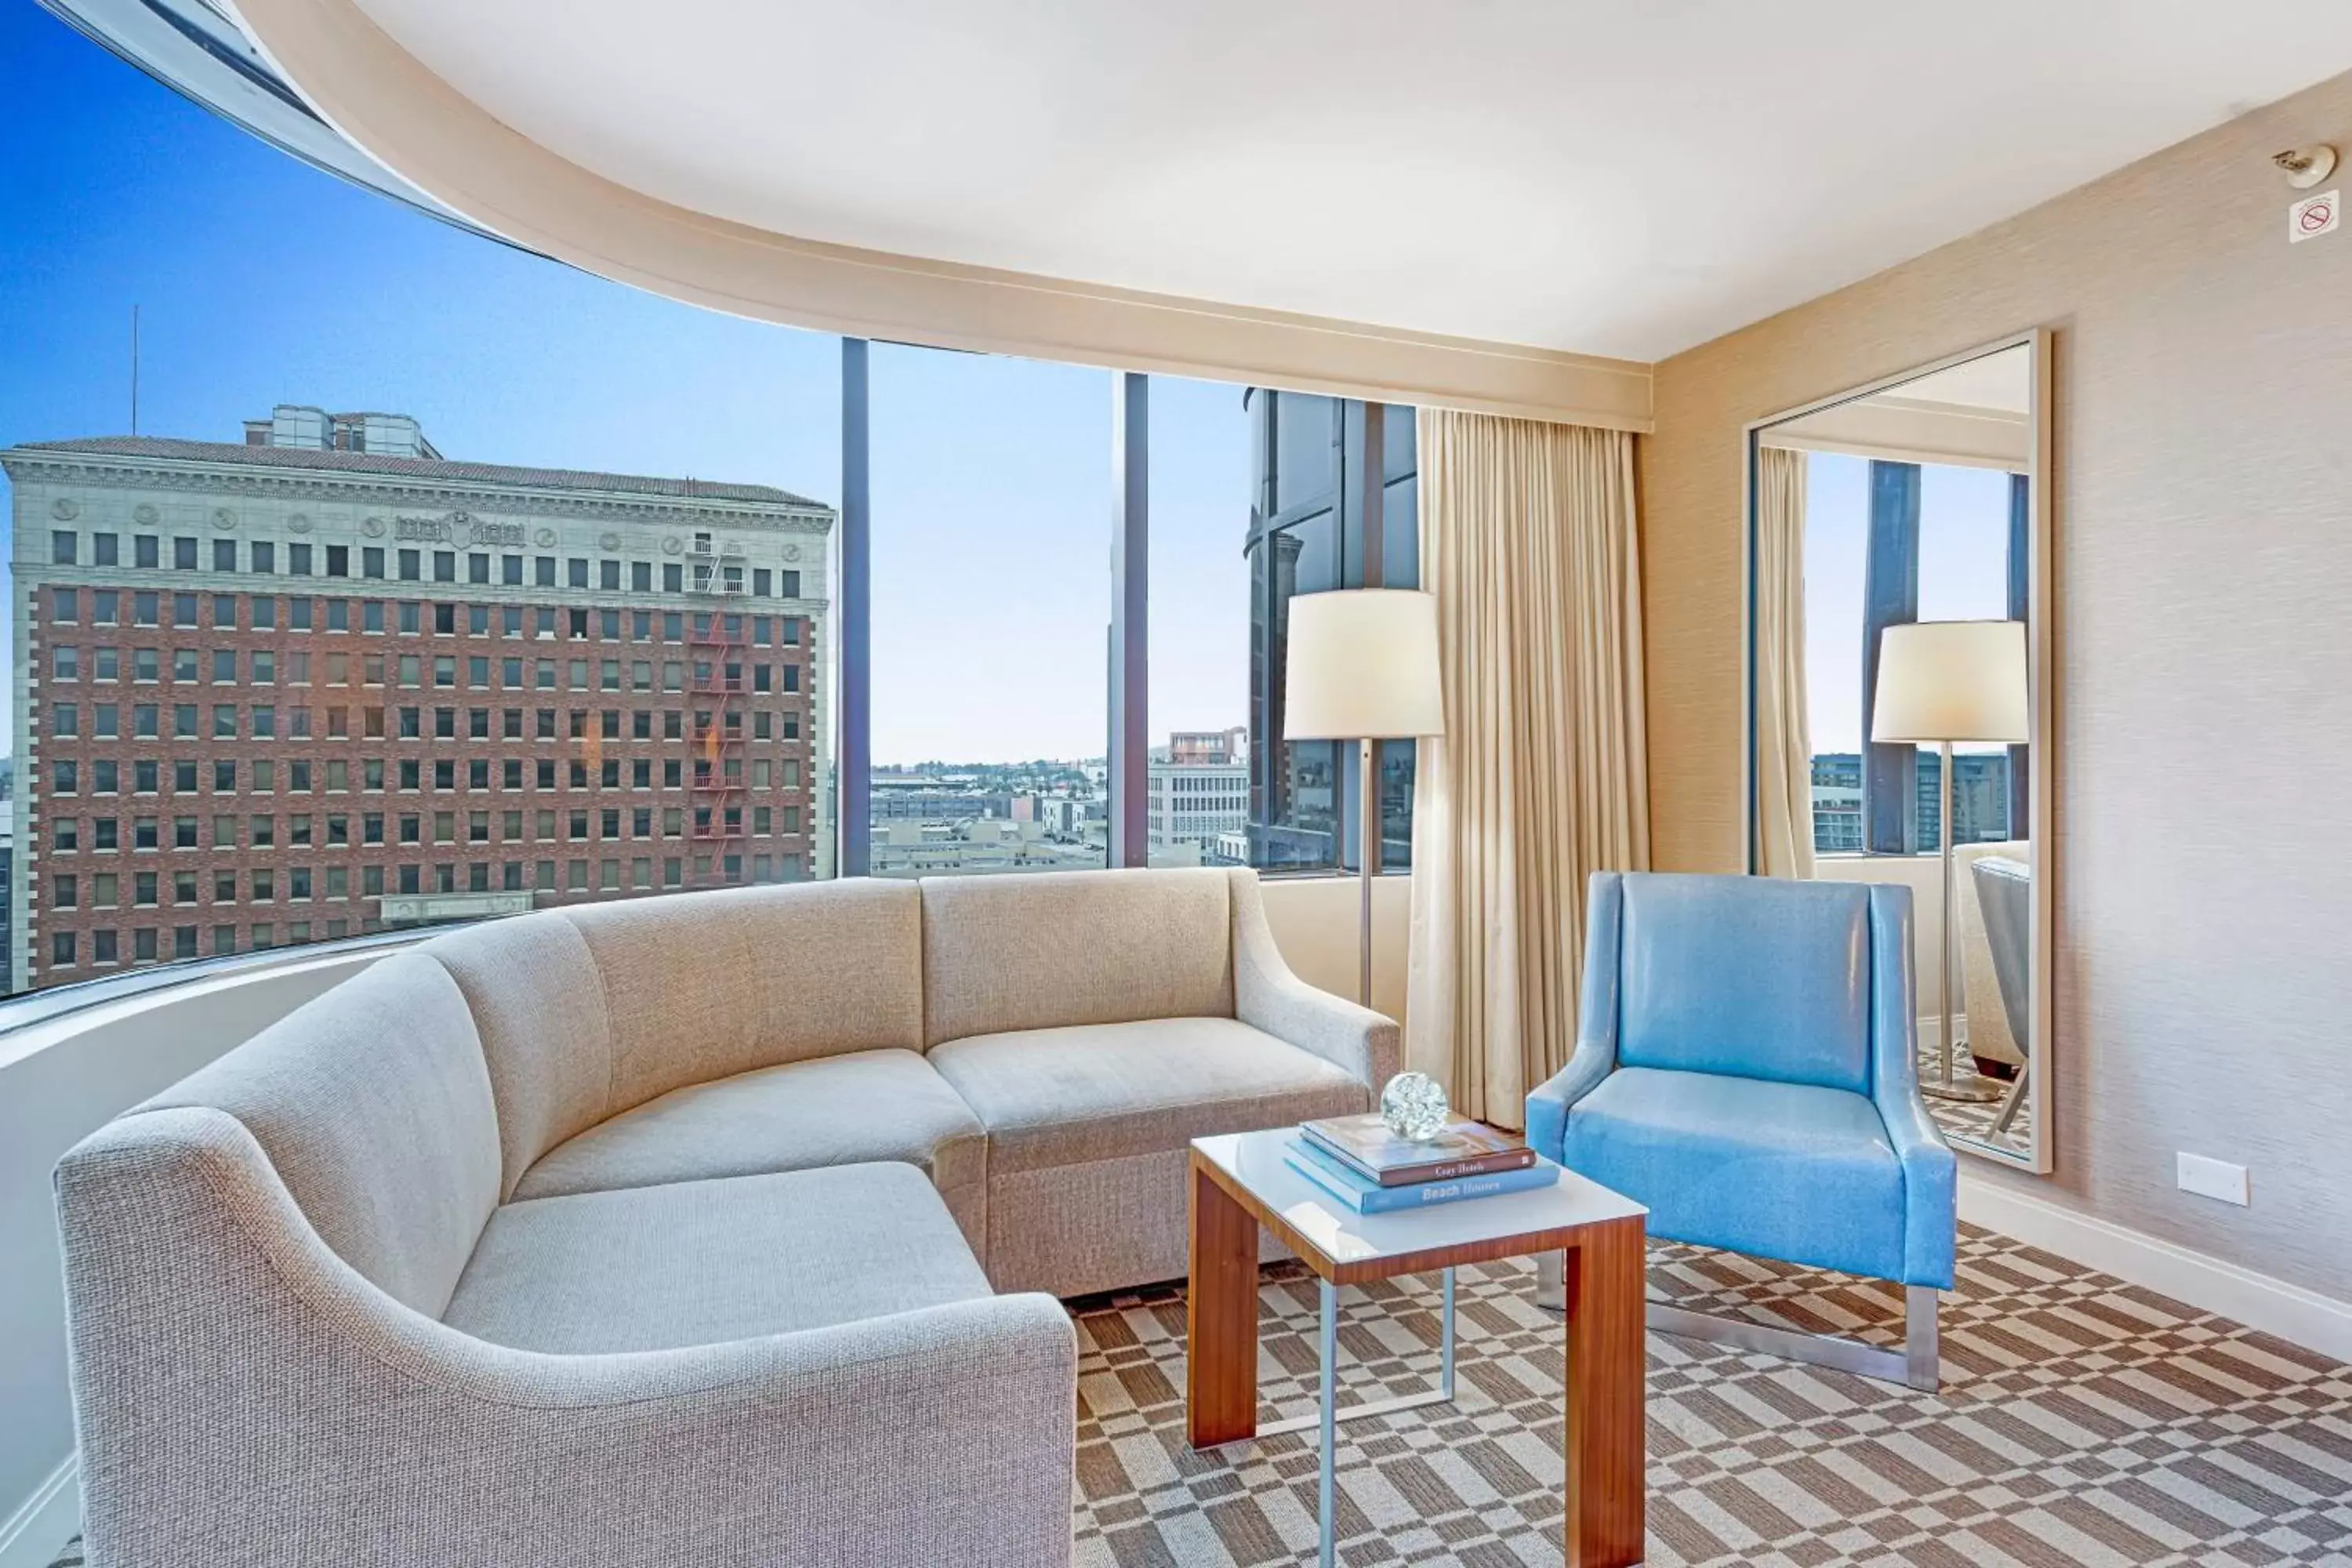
<point>720,1227</point>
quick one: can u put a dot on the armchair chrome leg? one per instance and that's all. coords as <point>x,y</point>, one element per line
<point>1916,1365</point>
<point>1923,1358</point>
<point>2016,1100</point>
<point>1551,1282</point>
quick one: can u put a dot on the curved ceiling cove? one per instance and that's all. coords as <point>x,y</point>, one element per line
<point>1578,178</point>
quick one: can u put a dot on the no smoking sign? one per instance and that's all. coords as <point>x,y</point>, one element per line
<point>2313,216</point>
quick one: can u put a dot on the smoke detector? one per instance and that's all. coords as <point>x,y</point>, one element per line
<point>2306,167</point>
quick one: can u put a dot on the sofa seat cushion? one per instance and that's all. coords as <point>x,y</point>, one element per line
<point>1787,1171</point>
<point>693,1263</point>
<point>827,1110</point>
<point>1104,1091</point>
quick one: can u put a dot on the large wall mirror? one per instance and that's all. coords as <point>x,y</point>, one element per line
<point>1898,715</point>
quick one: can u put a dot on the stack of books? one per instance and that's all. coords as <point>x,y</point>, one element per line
<point>1371,1170</point>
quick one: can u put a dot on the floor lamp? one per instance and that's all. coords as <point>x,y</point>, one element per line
<point>1362,666</point>
<point>1941,681</point>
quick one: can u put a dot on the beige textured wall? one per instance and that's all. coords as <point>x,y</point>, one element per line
<point>2203,577</point>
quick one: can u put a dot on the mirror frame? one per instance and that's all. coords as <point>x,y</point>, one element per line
<point>2037,1158</point>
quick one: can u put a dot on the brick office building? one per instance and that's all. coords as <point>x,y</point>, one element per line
<point>327,682</point>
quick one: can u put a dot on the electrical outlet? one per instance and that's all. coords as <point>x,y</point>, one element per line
<point>2212,1178</point>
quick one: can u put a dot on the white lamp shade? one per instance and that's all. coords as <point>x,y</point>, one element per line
<point>1362,664</point>
<point>1952,681</point>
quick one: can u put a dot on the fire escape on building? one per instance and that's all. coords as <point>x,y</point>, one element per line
<point>719,642</point>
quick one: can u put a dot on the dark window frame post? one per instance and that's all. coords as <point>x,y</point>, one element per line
<point>2021,590</point>
<point>1362,533</point>
<point>854,755</point>
<point>1890,773</point>
<point>1130,720</point>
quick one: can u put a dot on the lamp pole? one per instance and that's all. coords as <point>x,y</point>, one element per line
<point>1976,1091</point>
<point>1361,665</point>
<point>1368,848</point>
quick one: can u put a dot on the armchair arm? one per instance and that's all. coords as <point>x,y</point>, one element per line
<point>1596,1019</point>
<point>1930,1171</point>
<point>1268,996</point>
<point>244,1396</point>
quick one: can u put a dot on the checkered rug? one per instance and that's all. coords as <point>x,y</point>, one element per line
<point>1971,1122</point>
<point>2082,1421</point>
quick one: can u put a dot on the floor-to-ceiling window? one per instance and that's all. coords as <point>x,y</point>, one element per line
<point>991,594</point>
<point>1201,735</point>
<point>1258,495</point>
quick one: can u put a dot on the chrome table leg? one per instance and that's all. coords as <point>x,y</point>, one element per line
<point>1326,1523</point>
<point>1328,1415</point>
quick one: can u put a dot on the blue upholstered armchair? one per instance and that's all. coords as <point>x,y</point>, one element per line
<point>1747,1067</point>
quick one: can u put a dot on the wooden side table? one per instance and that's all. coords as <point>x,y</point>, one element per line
<point>1241,1182</point>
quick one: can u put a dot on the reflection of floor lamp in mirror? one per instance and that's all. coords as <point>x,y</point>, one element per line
<point>1362,666</point>
<point>1939,682</point>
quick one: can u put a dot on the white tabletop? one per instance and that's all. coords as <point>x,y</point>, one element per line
<point>1254,1160</point>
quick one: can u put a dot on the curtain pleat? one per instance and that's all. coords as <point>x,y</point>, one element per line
<point>1528,542</point>
<point>1784,750</point>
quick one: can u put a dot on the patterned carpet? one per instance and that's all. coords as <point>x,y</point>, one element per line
<point>2082,1421</point>
<point>1972,1122</point>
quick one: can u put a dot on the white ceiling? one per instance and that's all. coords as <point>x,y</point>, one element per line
<point>1616,178</point>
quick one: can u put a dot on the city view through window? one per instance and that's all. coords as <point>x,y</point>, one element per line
<point>367,574</point>
<point>1959,566</point>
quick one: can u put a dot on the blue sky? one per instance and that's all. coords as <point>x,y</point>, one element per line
<point>261,280</point>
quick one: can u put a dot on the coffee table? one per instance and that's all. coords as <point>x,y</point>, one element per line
<point>1240,1182</point>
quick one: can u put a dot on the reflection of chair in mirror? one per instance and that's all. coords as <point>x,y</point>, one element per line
<point>1996,1051</point>
<point>2004,890</point>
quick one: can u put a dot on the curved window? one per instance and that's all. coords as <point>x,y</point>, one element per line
<point>413,579</point>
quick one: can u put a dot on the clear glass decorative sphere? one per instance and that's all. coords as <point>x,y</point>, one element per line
<point>1413,1106</point>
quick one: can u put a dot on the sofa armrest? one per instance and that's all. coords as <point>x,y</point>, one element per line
<point>244,1396</point>
<point>1930,1170</point>
<point>1268,996</point>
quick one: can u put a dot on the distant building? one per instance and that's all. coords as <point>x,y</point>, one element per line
<point>1980,796</point>
<point>323,681</point>
<point>1837,804</point>
<point>1070,816</point>
<point>7,905</point>
<point>1195,748</point>
<point>1191,804</point>
<point>974,847</point>
<point>921,798</point>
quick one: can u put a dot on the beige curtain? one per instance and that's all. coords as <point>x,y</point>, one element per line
<point>1784,750</point>
<point>1527,540</point>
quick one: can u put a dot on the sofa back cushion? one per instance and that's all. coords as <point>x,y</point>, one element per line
<point>539,1006</point>
<point>374,1106</point>
<point>699,986</point>
<point>1756,976</point>
<point>1048,949</point>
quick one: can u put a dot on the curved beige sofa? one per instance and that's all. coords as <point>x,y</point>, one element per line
<point>673,1229</point>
